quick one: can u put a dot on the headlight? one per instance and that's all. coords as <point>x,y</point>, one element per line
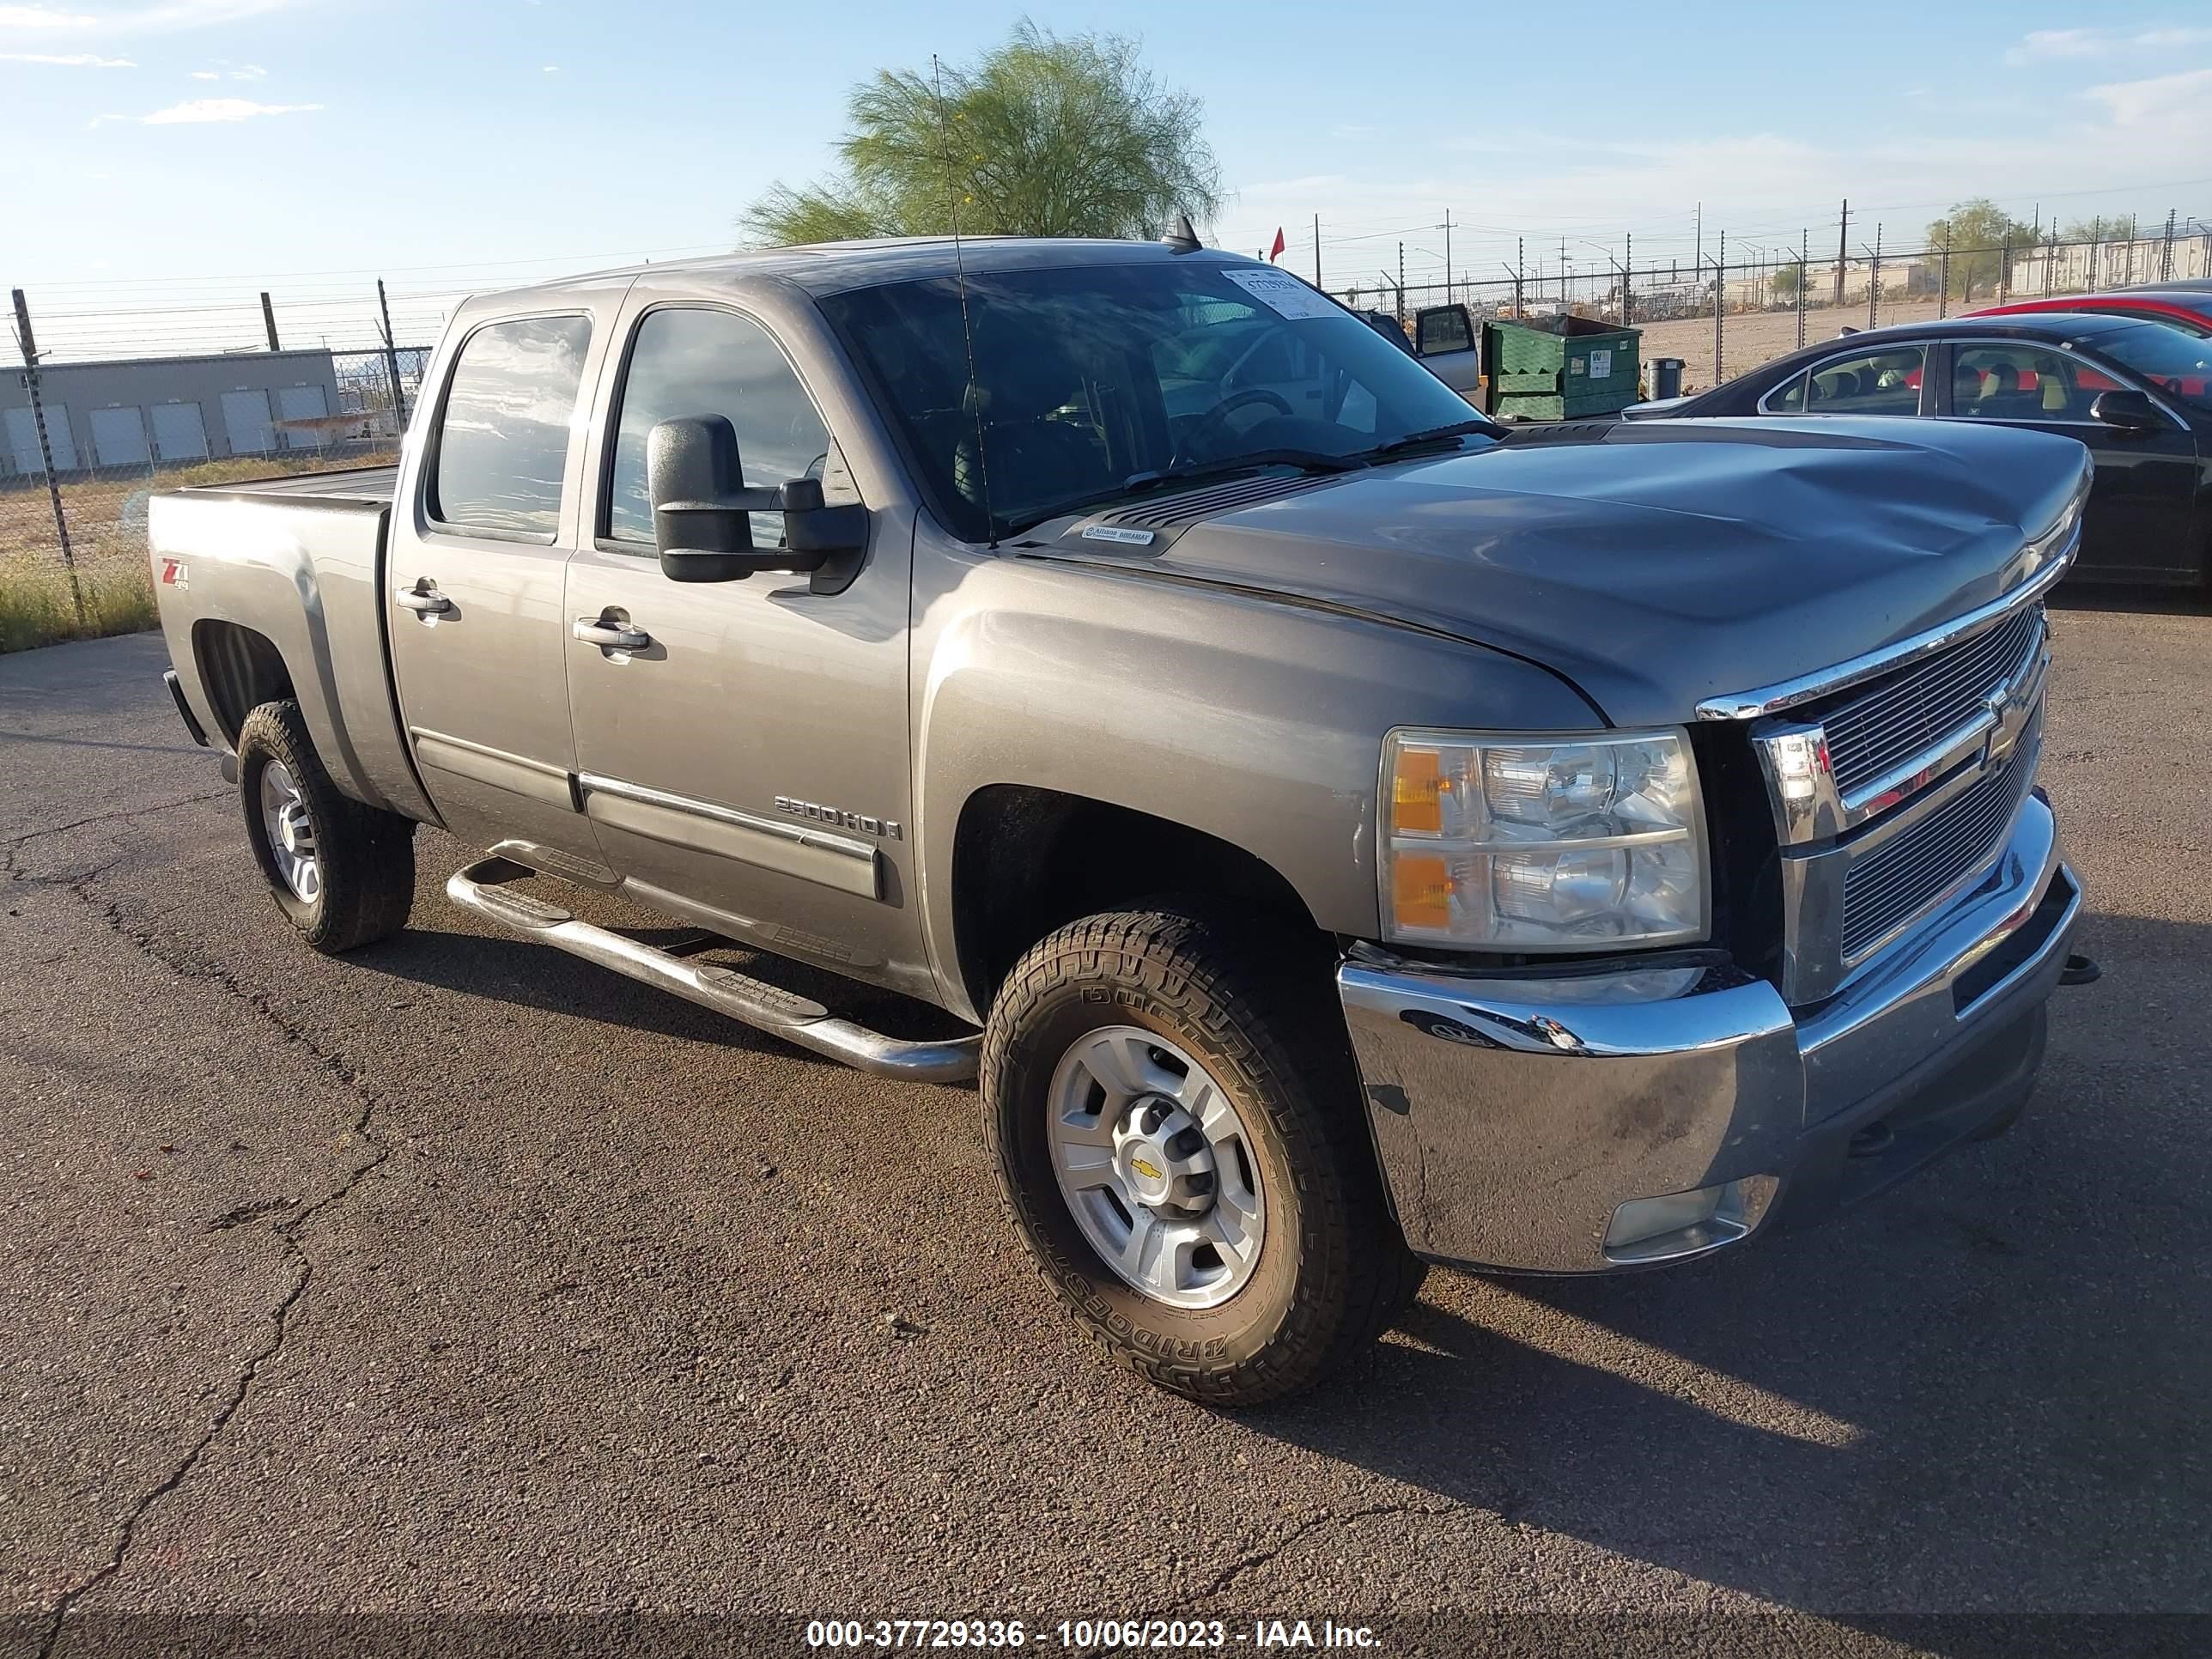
<point>1527,844</point>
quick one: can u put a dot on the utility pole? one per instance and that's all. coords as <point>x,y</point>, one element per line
<point>28,345</point>
<point>392,363</point>
<point>1520,265</point>
<point>1628,284</point>
<point>2165,255</point>
<point>1448,294</point>
<point>1317,250</point>
<point>1563,273</point>
<point>1843,251</point>
<point>1698,254</point>
<point>1943,275</point>
<point>1401,282</point>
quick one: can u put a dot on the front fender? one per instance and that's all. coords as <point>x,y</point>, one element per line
<point>1257,721</point>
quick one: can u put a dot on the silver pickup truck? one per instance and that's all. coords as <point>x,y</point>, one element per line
<point>1355,836</point>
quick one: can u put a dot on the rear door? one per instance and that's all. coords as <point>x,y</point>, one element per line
<point>481,530</point>
<point>2139,523</point>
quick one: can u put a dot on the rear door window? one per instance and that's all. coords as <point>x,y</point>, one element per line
<point>1885,382</point>
<point>502,441</point>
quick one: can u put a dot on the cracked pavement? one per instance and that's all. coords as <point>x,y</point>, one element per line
<point>459,1277</point>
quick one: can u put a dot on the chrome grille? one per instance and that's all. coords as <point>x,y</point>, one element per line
<point>1889,886</point>
<point>1879,730</point>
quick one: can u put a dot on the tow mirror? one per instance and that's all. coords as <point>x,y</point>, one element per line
<point>2130,412</point>
<point>702,512</point>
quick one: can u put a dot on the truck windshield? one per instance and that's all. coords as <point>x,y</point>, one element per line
<point>1090,378</point>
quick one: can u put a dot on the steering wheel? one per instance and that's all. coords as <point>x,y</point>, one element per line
<point>1208,425</point>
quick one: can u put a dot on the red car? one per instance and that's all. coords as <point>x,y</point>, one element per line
<point>2188,307</point>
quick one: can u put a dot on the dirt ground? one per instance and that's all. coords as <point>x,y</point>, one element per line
<point>1749,339</point>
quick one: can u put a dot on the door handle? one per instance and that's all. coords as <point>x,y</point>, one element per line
<point>424,601</point>
<point>607,637</point>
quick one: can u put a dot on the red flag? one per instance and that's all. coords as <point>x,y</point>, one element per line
<point>1276,252</point>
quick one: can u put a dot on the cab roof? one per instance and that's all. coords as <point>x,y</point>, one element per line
<point>822,268</point>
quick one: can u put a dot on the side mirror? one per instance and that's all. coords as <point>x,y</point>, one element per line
<point>2131,413</point>
<point>702,513</point>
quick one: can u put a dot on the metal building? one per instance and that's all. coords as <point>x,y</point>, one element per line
<point>173,409</point>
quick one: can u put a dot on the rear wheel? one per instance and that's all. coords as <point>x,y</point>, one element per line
<point>343,873</point>
<point>1175,1120</point>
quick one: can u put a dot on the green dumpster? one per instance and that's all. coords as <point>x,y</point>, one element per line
<point>1559,368</point>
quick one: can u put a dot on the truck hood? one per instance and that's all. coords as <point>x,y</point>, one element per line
<point>1654,565</point>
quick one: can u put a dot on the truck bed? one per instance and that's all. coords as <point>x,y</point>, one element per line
<point>370,485</point>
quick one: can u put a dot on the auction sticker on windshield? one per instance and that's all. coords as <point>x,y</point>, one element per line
<point>1282,292</point>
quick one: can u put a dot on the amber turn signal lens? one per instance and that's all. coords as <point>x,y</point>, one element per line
<point>1417,792</point>
<point>1420,892</point>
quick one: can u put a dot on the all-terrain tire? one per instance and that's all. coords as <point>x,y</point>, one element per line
<point>366,856</point>
<point>1255,1009</point>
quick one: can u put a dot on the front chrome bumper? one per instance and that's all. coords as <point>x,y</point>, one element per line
<point>1545,1123</point>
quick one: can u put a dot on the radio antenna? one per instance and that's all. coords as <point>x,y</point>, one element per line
<point>960,273</point>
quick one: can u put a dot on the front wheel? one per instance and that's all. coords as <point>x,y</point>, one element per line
<point>1175,1120</point>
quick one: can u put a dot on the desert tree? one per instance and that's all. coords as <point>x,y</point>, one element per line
<point>1043,135</point>
<point>1977,233</point>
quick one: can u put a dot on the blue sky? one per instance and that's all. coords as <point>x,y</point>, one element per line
<point>189,152</point>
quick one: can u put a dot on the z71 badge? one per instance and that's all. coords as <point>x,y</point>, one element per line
<point>175,573</point>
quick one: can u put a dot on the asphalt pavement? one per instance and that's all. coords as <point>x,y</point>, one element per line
<point>459,1278</point>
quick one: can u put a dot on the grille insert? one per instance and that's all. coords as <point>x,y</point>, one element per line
<point>1879,729</point>
<point>1891,886</point>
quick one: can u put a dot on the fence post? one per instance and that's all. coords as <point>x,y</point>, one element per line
<point>29,345</point>
<point>391,365</point>
<point>1874,279</point>
<point>1803,248</point>
<point>1720,286</point>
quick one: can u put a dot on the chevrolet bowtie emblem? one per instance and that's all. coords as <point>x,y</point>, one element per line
<point>1144,1168</point>
<point>2009,705</point>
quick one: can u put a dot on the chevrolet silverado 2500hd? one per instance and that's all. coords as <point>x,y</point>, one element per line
<point>1358,837</point>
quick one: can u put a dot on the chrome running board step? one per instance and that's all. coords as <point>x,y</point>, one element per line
<point>482,887</point>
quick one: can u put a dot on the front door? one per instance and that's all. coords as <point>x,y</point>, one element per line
<point>478,628</point>
<point>744,758</point>
<point>2138,526</point>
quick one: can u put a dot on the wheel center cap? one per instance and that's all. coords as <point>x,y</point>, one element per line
<point>1163,1157</point>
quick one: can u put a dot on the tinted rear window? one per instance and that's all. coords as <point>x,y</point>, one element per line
<point>503,439</point>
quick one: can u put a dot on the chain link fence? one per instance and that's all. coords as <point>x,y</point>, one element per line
<point>1744,306</point>
<point>86,444</point>
<point>116,400</point>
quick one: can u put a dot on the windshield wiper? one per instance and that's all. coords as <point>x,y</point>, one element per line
<point>1433,435</point>
<point>1145,483</point>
